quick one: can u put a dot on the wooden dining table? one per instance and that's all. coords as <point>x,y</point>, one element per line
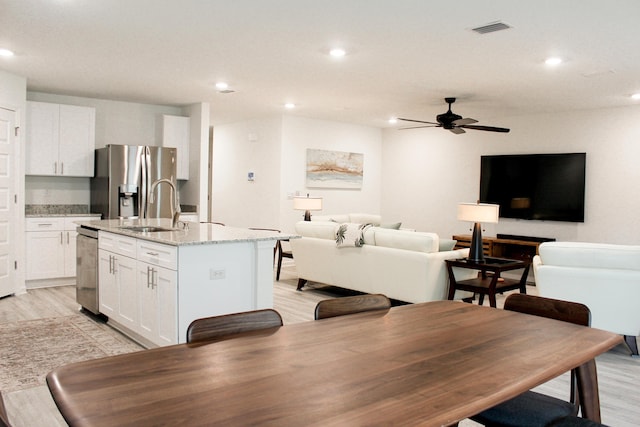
<point>430,364</point>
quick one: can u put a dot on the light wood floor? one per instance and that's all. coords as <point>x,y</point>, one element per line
<point>619,374</point>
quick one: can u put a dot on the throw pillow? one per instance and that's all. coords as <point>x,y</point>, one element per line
<point>350,235</point>
<point>395,226</point>
<point>446,244</point>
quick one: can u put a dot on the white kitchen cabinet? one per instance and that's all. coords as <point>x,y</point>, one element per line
<point>157,292</point>
<point>157,289</point>
<point>60,140</point>
<point>177,284</point>
<point>118,296</point>
<point>51,247</point>
<point>176,134</point>
<point>138,285</point>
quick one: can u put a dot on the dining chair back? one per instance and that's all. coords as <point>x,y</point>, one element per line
<point>531,409</point>
<point>216,328</point>
<point>282,253</point>
<point>351,304</point>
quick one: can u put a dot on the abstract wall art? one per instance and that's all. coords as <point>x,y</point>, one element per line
<point>334,169</point>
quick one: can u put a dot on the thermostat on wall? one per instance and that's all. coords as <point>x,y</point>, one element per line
<point>250,176</point>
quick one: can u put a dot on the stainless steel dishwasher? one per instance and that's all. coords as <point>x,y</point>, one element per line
<point>87,269</point>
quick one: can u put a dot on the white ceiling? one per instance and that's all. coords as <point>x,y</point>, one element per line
<point>403,57</point>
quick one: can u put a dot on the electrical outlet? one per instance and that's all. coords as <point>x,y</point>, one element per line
<point>216,274</point>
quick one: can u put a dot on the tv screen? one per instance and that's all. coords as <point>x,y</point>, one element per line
<point>546,187</point>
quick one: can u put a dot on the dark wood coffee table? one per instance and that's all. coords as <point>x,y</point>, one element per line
<point>489,282</point>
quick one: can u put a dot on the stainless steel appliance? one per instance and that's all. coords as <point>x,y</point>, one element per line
<point>87,269</point>
<point>123,179</point>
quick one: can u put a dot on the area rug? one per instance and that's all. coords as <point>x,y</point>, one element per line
<point>31,349</point>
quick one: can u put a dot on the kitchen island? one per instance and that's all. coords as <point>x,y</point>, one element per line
<point>155,279</point>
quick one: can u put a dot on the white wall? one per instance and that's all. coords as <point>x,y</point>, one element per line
<point>302,133</point>
<point>426,172</point>
<point>277,156</point>
<point>251,146</point>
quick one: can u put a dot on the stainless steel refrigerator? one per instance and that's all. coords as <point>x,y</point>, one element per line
<point>123,178</point>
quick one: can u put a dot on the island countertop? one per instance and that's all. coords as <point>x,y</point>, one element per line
<point>195,234</point>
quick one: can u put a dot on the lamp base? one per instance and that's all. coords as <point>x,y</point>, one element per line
<point>307,215</point>
<point>476,252</point>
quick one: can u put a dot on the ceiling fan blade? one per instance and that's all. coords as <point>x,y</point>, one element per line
<point>417,121</point>
<point>419,127</point>
<point>489,128</point>
<point>457,130</point>
<point>466,121</point>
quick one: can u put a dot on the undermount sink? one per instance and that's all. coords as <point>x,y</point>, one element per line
<point>146,229</point>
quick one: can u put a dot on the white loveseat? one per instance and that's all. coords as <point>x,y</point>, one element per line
<point>604,277</point>
<point>404,265</point>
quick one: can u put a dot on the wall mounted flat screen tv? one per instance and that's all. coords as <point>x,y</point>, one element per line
<point>546,187</point>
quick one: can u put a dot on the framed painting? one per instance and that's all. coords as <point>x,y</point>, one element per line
<point>334,169</point>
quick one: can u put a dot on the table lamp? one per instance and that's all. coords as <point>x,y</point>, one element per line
<point>477,213</point>
<point>307,204</point>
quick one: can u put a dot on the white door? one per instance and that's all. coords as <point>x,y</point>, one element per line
<point>7,203</point>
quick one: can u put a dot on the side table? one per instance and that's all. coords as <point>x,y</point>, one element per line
<point>488,281</point>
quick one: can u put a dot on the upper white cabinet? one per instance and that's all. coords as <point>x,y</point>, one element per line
<point>60,139</point>
<point>175,134</point>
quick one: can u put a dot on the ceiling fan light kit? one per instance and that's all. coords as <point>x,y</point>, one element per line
<point>453,122</point>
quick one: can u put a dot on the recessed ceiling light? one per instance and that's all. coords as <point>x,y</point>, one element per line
<point>553,61</point>
<point>393,120</point>
<point>337,52</point>
<point>222,85</point>
<point>6,53</point>
<point>636,96</point>
<point>289,105</point>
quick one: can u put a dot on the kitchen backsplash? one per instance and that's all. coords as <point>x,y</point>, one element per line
<point>56,209</point>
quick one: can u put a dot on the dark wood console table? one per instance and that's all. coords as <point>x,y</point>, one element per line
<point>523,250</point>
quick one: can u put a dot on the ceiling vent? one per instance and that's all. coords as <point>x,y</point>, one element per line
<point>491,28</point>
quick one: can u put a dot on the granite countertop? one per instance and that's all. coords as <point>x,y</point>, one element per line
<point>196,234</point>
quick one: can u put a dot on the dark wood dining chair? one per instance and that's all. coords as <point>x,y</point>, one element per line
<point>351,304</point>
<point>282,254</point>
<point>574,422</point>
<point>532,408</point>
<point>217,328</point>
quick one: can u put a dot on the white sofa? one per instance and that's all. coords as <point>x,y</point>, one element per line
<point>604,277</point>
<point>403,265</point>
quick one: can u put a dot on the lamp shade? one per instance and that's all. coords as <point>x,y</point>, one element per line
<point>478,212</point>
<point>307,203</point>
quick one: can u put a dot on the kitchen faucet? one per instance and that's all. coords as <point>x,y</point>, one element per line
<point>175,203</point>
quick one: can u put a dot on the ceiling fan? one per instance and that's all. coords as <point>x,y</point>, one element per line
<point>453,122</point>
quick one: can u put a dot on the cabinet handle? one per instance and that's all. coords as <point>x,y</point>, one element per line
<point>61,168</point>
<point>152,277</point>
<point>115,261</point>
<point>68,239</point>
<point>110,264</point>
<point>153,253</point>
<point>61,236</point>
<point>45,224</point>
<point>55,168</point>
